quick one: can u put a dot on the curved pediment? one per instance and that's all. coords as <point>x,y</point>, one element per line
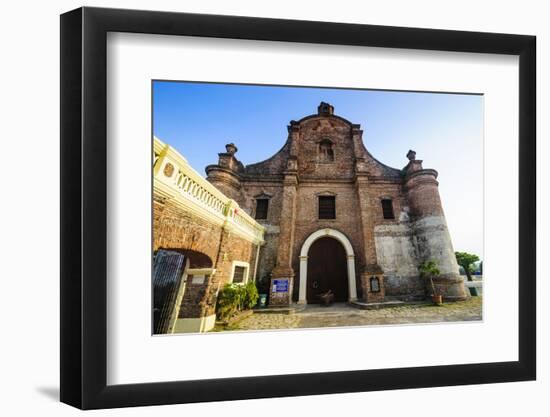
<point>321,145</point>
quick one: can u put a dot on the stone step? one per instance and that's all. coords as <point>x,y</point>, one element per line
<point>385,304</point>
<point>293,309</point>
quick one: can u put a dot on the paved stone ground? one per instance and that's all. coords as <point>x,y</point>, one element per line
<point>340,315</point>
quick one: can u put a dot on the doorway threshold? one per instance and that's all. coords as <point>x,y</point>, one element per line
<point>384,304</point>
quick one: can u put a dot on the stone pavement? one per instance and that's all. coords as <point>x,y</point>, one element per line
<point>340,315</point>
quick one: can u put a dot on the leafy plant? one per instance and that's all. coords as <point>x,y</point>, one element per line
<point>229,301</point>
<point>429,270</point>
<point>250,298</point>
<point>234,298</point>
<point>466,260</point>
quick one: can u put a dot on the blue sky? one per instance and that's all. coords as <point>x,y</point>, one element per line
<point>446,131</point>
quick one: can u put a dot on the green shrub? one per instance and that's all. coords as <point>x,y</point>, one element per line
<point>251,296</point>
<point>229,301</point>
<point>429,270</point>
<point>234,298</point>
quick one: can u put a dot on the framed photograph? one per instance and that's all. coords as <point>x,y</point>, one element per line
<point>257,208</point>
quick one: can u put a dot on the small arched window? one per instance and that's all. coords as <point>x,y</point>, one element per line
<point>326,153</point>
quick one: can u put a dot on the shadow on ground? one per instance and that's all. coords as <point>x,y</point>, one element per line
<point>50,392</point>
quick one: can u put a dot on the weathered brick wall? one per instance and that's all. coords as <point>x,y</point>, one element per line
<point>423,196</point>
<point>233,248</point>
<point>359,182</point>
<point>430,230</point>
<point>347,215</point>
<point>312,132</point>
<point>396,245</point>
<point>273,191</point>
<point>397,254</point>
<point>268,252</point>
<point>317,177</point>
<point>177,229</point>
<point>198,300</point>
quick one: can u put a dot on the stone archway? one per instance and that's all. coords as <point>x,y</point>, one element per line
<point>302,296</point>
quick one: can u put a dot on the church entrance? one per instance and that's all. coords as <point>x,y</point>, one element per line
<point>327,270</point>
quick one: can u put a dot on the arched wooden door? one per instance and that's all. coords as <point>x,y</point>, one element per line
<point>327,270</point>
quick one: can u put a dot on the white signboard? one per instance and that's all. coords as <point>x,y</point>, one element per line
<point>197,279</point>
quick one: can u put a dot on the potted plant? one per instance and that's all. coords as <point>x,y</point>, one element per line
<point>327,298</point>
<point>429,270</point>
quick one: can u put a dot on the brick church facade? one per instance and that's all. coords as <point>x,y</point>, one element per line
<point>336,219</point>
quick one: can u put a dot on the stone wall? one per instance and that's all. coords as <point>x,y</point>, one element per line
<point>193,217</point>
<point>268,252</point>
<point>175,228</point>
<point>430,230</point>
<point>338,132</point>
<point>178,229</point>
<point>398,256</point>
<point>307,221</point>
<point>247,200</point>
<point>324,154</point>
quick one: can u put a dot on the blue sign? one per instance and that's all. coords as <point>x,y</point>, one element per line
<point>280,285</point>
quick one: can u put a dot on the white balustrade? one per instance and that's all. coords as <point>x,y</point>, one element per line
<point>171,170</point>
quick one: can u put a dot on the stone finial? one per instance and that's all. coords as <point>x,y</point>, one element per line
<point>414,164</point>
<point>231,148</point>
<point>294,126</point>
<point>325,109</point>
<point>411,155</point>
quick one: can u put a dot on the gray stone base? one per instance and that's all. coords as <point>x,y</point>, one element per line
<point>414,288</point>
<point>375,306</point>
<point>451,287</point>
<point>405,288</point>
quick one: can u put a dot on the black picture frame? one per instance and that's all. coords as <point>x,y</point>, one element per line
<point>84,207</point>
